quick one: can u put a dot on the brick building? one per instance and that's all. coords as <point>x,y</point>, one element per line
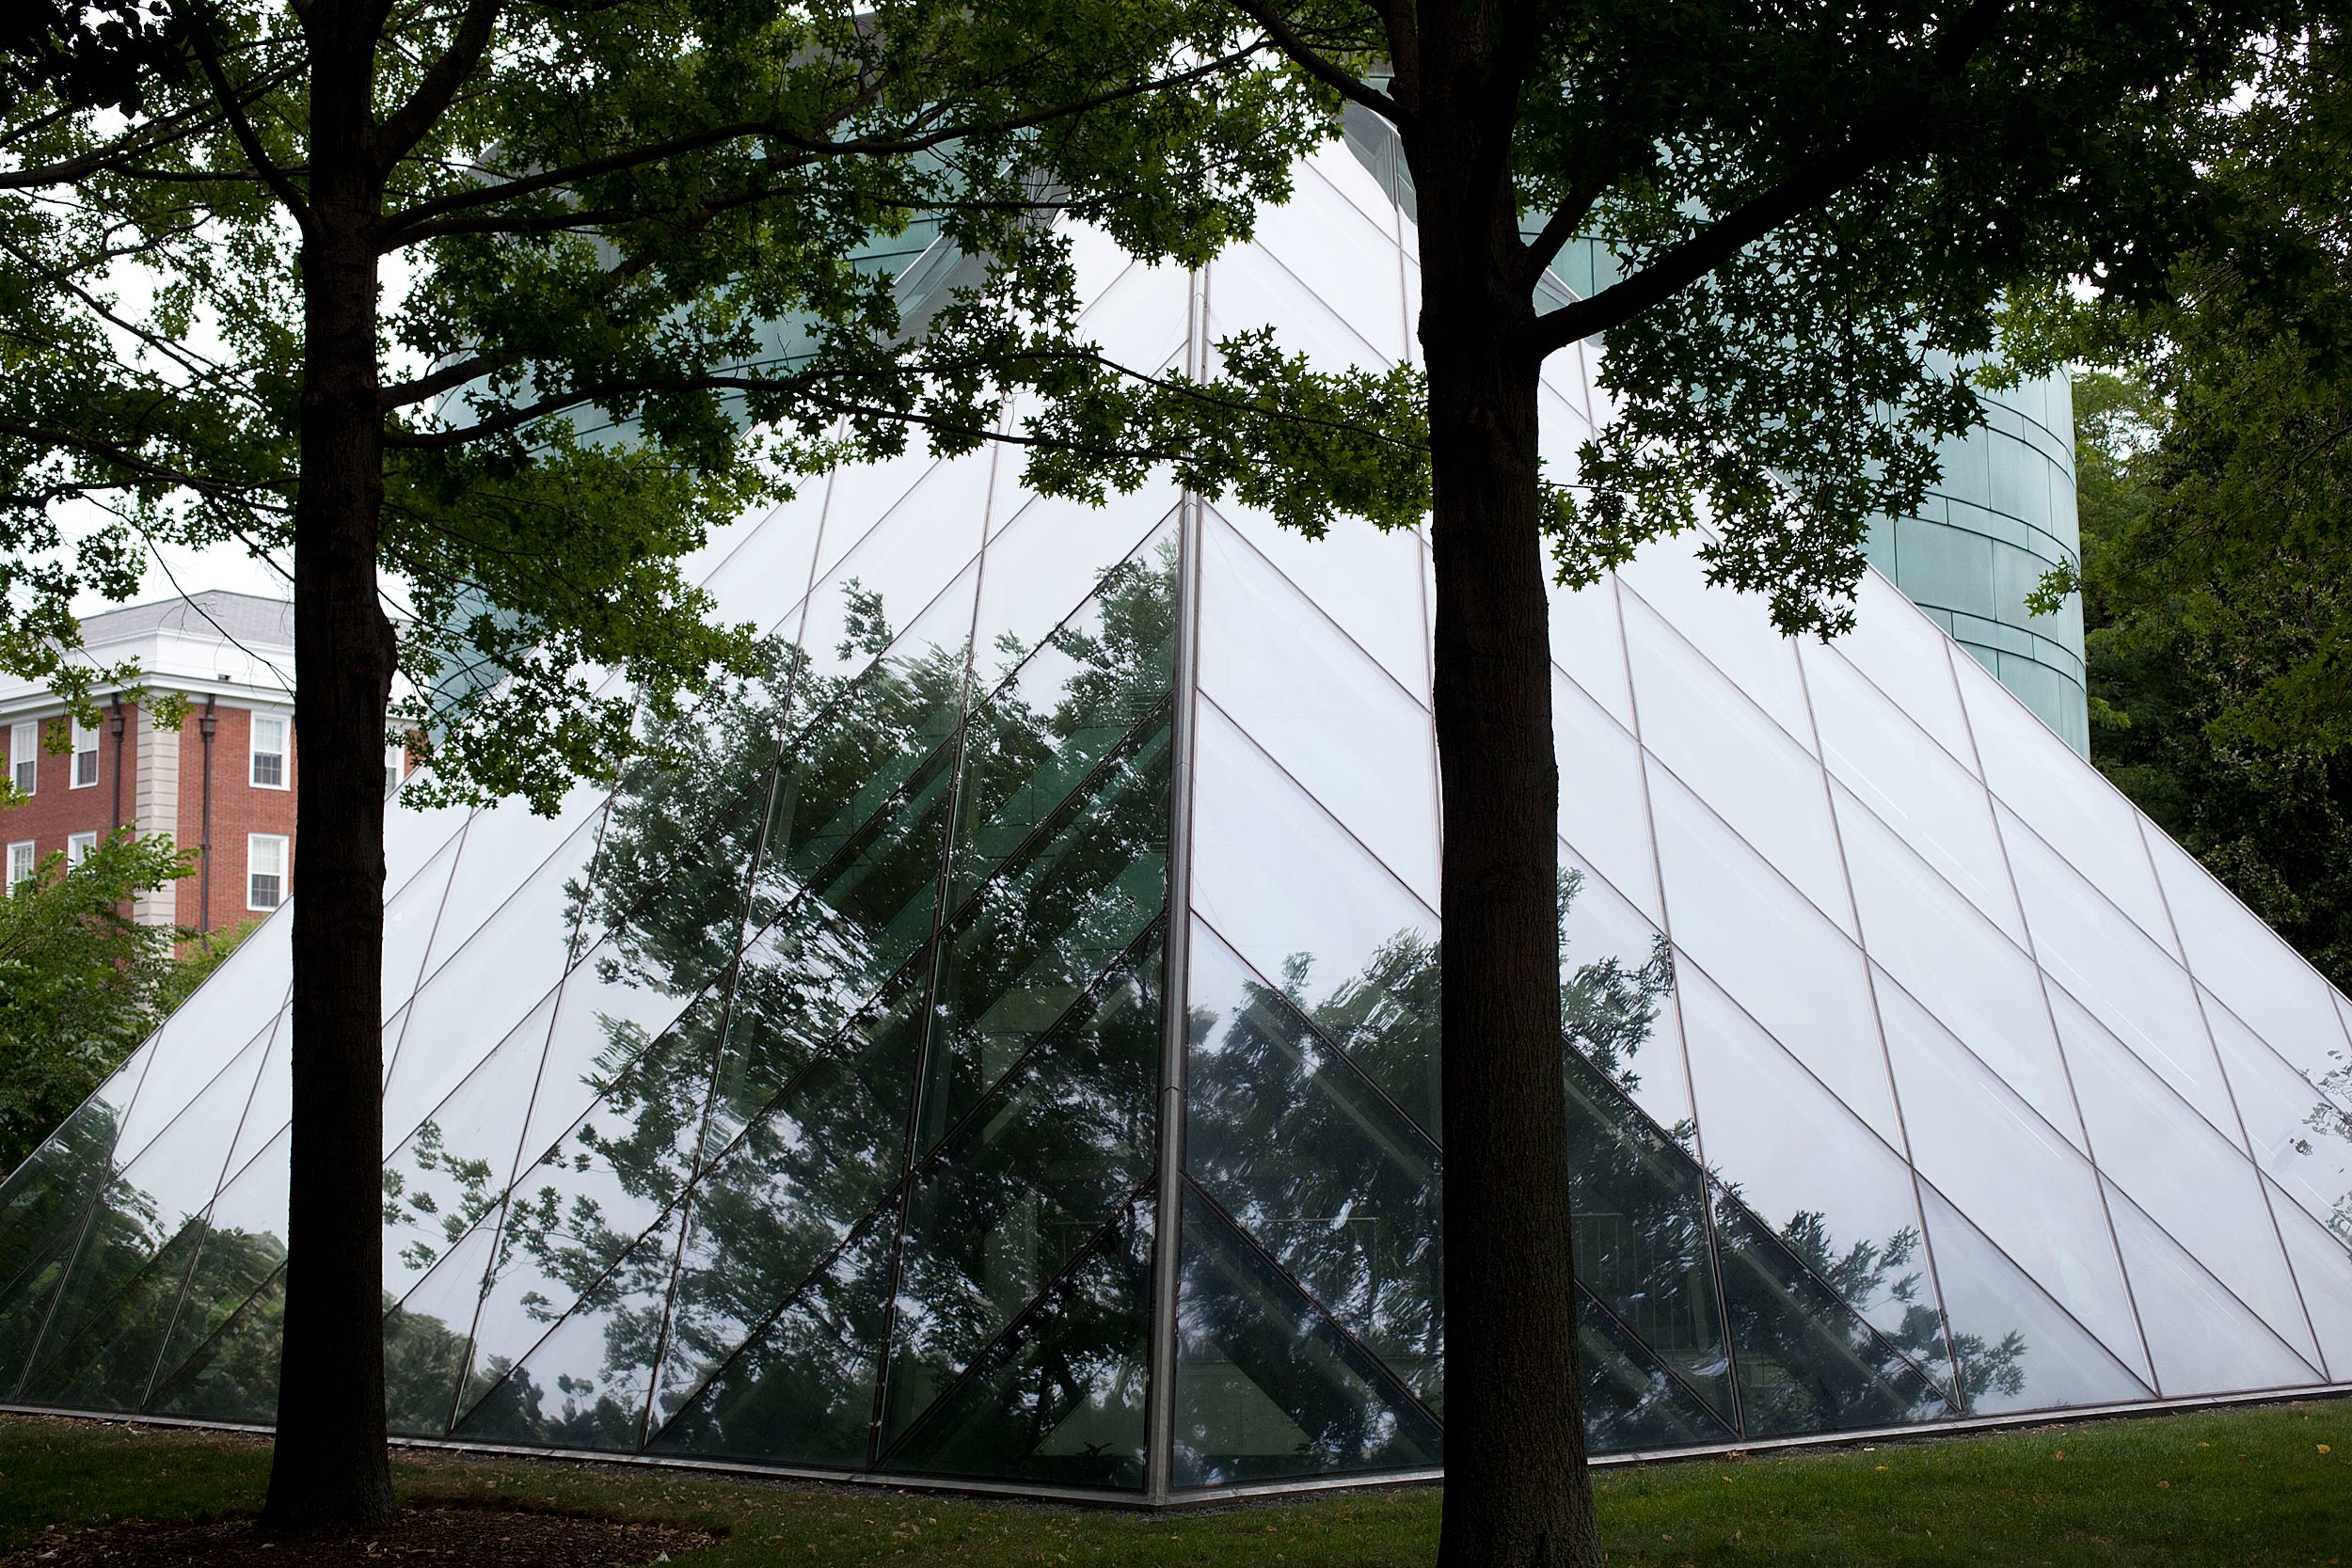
<point>223,782</point>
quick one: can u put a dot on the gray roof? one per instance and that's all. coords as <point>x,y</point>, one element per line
<point>214,612</point>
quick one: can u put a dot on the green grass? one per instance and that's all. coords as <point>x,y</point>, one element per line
<point>2265,1486</point>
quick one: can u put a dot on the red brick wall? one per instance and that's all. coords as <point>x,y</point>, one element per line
<point>238,808</point>
<point>57,810</point>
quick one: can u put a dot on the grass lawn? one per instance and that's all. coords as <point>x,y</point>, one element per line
<point>2263,1486</point>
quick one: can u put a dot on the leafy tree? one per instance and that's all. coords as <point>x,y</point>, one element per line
<point>628,235</point>
<point>81,983</point>
<point>1807,213</point>
<point>2217,511</point>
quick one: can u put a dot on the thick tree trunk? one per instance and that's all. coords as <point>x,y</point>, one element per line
<point>330,1467</point>
<point>1518,1494</point>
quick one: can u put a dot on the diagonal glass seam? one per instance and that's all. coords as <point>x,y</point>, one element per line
<point>281,1023</point>
<point>1861,1127</point>
<point>95,1320</point>
<point>1111,759</point>
<point>1986,1238</point>
<point>2220,1285</point>
<point>2042,978</point>
<point>431,971</point>
<point>732,974</point>
<point>2343,1026</point>
<point>1959,1386</point>
<point>72,1255</point>
<point>1588,1300</point>
<point>440,909</point>
<point>620,1256</point>
<point>167,1383</point>
<point>1699,653</point>
<point>1259,1250</point>
<point>1291,779</point>
<point>1125,961</point>
<point>2165,1230</point>
<point>1325,617</point>
<point>218,1075</point>
<point>1376,356</point>
<point>1682,1027</point>
<point>1315,1031</point>
<point>1084,1254</point>
<point>1721,1192</point>
<point>851,1235</point>
<point>2245,1140</point>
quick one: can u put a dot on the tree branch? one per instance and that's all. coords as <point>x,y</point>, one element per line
<point>1346,82</point>
<point>442,80</point>
<point>400,229</point>
<point>1871,144</point>
<point>232,109</point>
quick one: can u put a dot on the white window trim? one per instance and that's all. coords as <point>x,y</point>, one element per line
<point>31,862</point>
<point>86,843</point>
<point>284,753</point>
<point>284,873</point>
<point>20,752</point>
<point>73,769</point>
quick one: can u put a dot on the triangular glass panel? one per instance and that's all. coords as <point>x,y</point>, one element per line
<point>2203,1338</point>
<point>2323,1270</point>
<point>2015,1348</point>
<point>1311,1159</point>
<point>2196,1184</point>
<point>1829,1190</point>
<point>1806,1362</point>
<point>1267,1385</point>
<point>801,1390</point>
<point>426,1338</point>
<point>1632,1400</point>
<point>584,1384</point>
<point>1644,1244</point>
<point>232,1374</point>
<point>1027,1179</point>
<point>1059,1396</point>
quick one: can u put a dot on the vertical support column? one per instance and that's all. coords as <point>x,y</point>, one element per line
<point>155,805</point>
<point>1159,1452</point>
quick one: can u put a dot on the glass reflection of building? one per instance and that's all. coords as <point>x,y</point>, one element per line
<point>996,1044</point>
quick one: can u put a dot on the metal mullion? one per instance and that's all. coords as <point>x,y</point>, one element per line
<point>1086,1254</point>
<point>1682,1027</point>
<point>1173,1086</point>
<point>1878,1025</point>
<point>2041,979</point>
<point>918,1088</point>
<point>440,908</point>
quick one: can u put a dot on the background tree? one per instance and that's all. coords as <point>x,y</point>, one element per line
<point>2215,486</point>
<point>627,233</point>
<point>1805,209</point>
<point>81,983</point>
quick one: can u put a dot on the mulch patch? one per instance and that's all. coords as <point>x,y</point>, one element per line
<point>427,1535</point>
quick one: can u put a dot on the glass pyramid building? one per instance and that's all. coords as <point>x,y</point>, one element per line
<point>1003,1054</point>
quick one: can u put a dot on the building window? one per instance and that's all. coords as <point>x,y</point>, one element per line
<point>264,870</point>
<point>396,767</point>
<point>85,756</point>
<point>25,757</point>
<point>269,752</point>
<point>79,848</point>
<point>20,863</point>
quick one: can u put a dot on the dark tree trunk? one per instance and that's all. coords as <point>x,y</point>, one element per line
<point>1518,1494</point>
<point>330,1467</point>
